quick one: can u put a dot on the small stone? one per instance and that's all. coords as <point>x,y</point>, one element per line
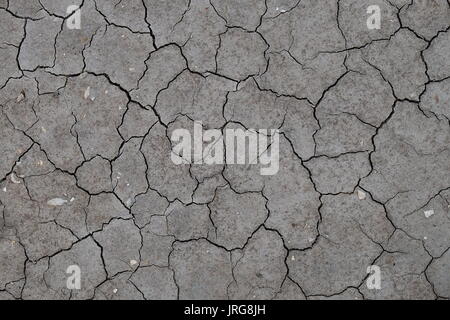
<point>56,202</point>
<point>20,97</point>
<point>14,178</point>
<point>115,290</point>
<point>428,213</point>
<point>293,258</point>
<point>87,92</point>
<point>361,195</point>
<point>133,262</point>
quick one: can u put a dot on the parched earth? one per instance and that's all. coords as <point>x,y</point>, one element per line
<point>86,177</point>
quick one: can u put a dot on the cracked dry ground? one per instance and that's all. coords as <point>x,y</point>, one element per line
<point>86,177</point>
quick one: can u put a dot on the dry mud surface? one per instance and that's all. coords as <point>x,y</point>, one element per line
<point>86,177</point>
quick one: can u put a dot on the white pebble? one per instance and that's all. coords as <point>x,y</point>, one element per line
<point>14,179</point>
<point>20,97</point>
<point>87,92</point>
<point>133,262</point>
<point>361,195</point>
<point>56,202</point>
<point>428,213</point>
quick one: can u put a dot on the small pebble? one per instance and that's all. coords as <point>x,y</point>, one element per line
<point>361,195</point>
<point>56,202</point>
<point>428,213</point>
<point>20,97</point>
<point>87,92</point>
<point>14,179</point>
